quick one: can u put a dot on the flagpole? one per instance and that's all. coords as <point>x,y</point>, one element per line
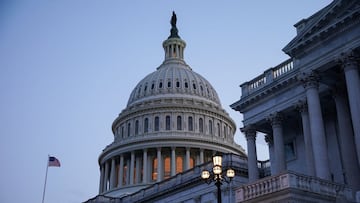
<point>47,166</point>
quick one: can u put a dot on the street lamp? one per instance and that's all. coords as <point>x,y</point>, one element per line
<point>216,175</point>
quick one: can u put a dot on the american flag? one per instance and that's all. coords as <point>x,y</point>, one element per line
<point>53,161</point>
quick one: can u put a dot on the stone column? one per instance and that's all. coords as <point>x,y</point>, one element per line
<point>106,177</point>
<point>132,167</point>
<point>159,167</point>
<point>101,185</point>
<point>173,161</point>
<point>250,134</point>
<point>346,140</point>
<point>270,141</point>
<point>201,156</point>
<point>316,126</point>
<point>127,182</point>
<point>137,169</point>
<point>351,70</point>
<point>278,137</point>
<point>310,165</point>
<point>121,171</point>
<point>145,166</point>
<point>112,174</point>
<point>187,158</point>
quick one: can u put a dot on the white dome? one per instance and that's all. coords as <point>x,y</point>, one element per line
<point>173,80</point>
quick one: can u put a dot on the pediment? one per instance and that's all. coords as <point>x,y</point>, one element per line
<point>323,24</point>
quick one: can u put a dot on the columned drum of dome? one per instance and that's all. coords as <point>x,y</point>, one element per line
<point>173,121</point>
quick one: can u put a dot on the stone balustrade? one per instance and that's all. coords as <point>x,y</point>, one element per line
<point>267,77</point>
<point>294,181</point>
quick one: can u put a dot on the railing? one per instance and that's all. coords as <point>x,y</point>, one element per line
<point>292,180</point>
<point>267,77</point>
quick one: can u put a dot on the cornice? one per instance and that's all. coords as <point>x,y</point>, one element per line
<point>337,19</point>
<point>266,91</point>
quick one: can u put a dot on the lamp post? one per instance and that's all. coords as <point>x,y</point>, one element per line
<point>217,175</point>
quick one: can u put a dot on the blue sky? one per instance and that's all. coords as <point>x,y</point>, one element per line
<point>68,67</point>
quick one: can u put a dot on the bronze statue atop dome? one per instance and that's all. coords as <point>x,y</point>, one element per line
<point>174,30</point>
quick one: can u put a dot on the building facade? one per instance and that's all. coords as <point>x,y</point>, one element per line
<point>308,107</point>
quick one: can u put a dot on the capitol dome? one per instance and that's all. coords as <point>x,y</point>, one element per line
<point>173,121</point>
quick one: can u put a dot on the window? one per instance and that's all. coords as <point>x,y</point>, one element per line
<point>154,169</point>
<point>167,121</point>
<point>167,167</point>
<point>177,84</point>
<point>146,125</point>
<point>178,122</point>
<point>210,127</point>
<point>129,130</point>
<point>201,125</point>
<point>225,131</point>
<point>194,86</point>
<point>179,164</point>
<point>186,85</point>
<point>190,123</point>
<point>160,85</point>
<point>152,86</point>
<point>156,123</point>
<point>218,129</point>
<point>122,131</point>
<point>136,127</point>
<point>169,84</point>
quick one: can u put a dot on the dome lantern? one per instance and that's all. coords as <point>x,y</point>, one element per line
<point>174,46</point>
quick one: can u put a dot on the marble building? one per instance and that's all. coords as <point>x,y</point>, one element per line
<point>173,121</point>
<point>307,107</point>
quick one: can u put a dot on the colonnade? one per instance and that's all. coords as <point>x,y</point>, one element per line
<point>314,135</point>
<point>143,166</point>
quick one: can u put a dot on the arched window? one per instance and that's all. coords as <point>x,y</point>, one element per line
<point>136,127</point>
<point>122,131</point>
<point>190,123</point>
<point>128,129</point>
<point>169,84</point>
<point>225,131</point>
<point>177,84</point>
<point>146,125</point>
<point>167,121</point>
<point>160,85</point>
<point>179,164</point>
<point>201,125</point>
<point>210,127</point>
<point>167,167</point>
<point>157,124</point>
<point>178,122</point>
<point>218,129</point>
<point>186,85</point>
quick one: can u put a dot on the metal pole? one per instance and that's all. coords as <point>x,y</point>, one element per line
<point>218,184</point>
<point>47,166</point>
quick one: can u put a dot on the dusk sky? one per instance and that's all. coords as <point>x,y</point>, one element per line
<point>67,68</point>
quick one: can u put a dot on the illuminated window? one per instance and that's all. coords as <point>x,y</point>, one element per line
<point>167,167</point>
<point>190,123</point>
<point>146,125</point>
<point>179,164</point>
<point>178,121</point>
<point>157,123</point>
<point>167,121</point>
<point>201,125</point>
<point>154,169</point>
